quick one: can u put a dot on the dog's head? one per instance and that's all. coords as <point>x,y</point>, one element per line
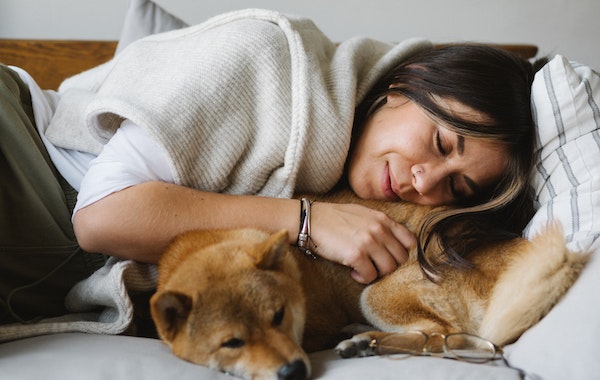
<point>232,301</point>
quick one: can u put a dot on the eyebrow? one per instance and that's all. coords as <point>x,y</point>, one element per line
<point>460,144</point>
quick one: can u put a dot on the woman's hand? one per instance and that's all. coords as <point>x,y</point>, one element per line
<point>366,240</point>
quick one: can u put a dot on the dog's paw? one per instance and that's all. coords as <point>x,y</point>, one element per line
<point>359,345</point>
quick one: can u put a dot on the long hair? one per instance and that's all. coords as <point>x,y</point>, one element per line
<point>497,84</point>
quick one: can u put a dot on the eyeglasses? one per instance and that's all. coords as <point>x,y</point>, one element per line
<point>459,346</point>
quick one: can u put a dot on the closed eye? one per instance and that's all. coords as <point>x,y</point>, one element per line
<point>233,343</point>
<point>438,141</point>
<point>441,145</point>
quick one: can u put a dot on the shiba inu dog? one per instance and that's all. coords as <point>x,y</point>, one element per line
<point>247,303</point>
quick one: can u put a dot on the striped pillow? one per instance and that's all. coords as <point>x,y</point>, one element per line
<point>566,107</point>
<point>566,100</point>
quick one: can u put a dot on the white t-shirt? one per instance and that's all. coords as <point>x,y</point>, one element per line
<point>131,156</point>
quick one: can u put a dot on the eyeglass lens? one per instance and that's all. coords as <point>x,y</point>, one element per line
<point>462,346</point>
<point>470,348</point>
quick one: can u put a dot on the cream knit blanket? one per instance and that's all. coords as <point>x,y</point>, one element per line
<point>248,102</point>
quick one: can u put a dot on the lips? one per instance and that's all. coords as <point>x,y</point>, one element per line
<point>387,185</point>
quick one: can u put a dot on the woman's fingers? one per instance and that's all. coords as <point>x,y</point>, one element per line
<point>401,243</point>
<point>382,252</point>
<point>366,240</point>
<point>369,261</point>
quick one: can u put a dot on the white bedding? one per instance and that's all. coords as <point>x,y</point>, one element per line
<point>101,357</point>
<point>562,346</point>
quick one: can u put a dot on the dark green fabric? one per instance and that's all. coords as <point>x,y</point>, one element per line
<point>36,235</point>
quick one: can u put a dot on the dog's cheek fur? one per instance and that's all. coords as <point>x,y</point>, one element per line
<point>277,265</point>
<point>276,343</point>
<point>295,308</point>
<point>188,344</point>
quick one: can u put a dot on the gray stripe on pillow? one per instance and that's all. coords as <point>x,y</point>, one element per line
<point>559,123</point>
<point>560,127</point>
<point>591,101</point>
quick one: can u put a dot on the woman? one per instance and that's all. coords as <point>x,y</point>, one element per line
<point>445,126</point>
<point>424,136</point>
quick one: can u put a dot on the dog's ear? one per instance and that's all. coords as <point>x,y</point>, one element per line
<point>274,248</point>
<point>170,311</point>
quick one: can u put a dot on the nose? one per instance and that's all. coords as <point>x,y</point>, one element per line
<point>427,179</point>
<point>295,370</point>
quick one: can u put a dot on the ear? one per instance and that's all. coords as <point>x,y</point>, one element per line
<point>170,310</point>
<point>395,99</point>
<point>274,248</point>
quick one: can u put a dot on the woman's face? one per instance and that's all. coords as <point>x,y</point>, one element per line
<point>404,154</point>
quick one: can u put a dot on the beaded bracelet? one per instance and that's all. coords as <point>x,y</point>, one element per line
<point>304,241</point>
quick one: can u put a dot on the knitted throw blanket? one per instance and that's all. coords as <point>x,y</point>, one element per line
<point>249,102</point>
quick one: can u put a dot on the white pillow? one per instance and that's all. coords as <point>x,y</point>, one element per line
<point>566,105</point>
<point>144,18</point>
<point>566,101</point>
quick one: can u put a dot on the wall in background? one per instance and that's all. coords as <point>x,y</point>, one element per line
<point>569,27</point>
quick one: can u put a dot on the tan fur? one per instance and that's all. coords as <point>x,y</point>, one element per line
<point>246,303</point>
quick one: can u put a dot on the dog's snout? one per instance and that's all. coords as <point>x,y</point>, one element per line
<point>295,370</point>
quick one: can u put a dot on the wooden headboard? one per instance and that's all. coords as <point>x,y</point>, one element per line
<point>51,61</point>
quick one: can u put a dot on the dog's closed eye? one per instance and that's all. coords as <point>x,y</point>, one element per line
<point>278,317</point>
<point>233,343</point>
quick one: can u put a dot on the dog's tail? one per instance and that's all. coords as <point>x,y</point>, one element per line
<point>532,284</point>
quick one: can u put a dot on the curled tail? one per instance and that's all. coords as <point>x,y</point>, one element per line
<point>531,285</point>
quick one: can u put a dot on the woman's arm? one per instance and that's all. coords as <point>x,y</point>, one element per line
<point>140,221</point>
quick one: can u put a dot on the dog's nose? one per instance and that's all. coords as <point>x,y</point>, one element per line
<point>295,370</point>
